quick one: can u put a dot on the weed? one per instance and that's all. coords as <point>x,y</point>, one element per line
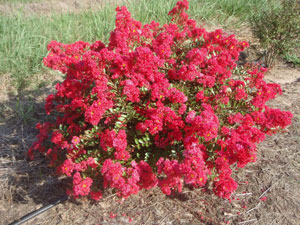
<point>24,112</point>
<point>292,58</point>
<point>278,29</point>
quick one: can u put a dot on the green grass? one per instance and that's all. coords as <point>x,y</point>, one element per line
<point>24,39</point>
<point>292,58</point>
<point>223,12</point>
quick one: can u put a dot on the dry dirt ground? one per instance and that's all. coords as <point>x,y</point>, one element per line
<point>26,186</point>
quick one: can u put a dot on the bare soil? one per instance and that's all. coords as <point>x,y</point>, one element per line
<point>28,185</point>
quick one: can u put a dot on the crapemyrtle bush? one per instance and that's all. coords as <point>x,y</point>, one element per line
<point>159,105</point>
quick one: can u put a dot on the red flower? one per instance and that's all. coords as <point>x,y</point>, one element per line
<point>81,186</point>
<point>225,187</point>
<point>75,140</point>
<point>67,167</point>
<point>96,195</point>
<point>263,199</point>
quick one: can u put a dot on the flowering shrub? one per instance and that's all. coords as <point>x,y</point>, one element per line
<point>158,106</point>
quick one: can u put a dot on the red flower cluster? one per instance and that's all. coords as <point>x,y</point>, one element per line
<point>157,106</point>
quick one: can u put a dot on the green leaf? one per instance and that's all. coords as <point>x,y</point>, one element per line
<point>136,141</point>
